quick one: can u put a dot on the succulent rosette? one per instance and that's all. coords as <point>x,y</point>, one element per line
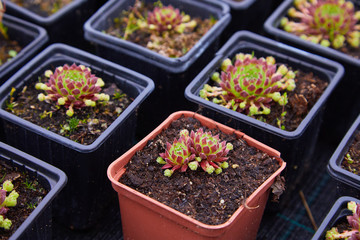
<point>167,18</point>
<point>197,149</point>
<point>250,84</point>
<point>177,155</point>
<point>72,86</point>
<point>325,22</point>
<point>209,150</point>
<point>354,222</point>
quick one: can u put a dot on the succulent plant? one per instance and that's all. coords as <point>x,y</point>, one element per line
<point>200,148</point>
<point>327,22</point>
<point>7,201</point>
<point>167,18</point>
<point>209,151</point>
<point>354,222</point>
<point>250,85</point>
<point>72,86</point>
<point>3,29</point>
<point>177,155</point>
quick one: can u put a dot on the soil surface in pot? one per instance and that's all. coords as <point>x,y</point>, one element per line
<point>300,101</point>
<point>84,127</point>
<point>351,161</point>
<point>43,8</point>
<point>8,49</point>
<point>30,195</point>
<point>169,43</point>
<point>208,198</point>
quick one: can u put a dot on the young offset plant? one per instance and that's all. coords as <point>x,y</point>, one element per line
<point>195,149</point>
<point>325,22</point>
<point>73,87</point>
<point>250,85</point>
<point>354,222</point>
<point>6,201</point>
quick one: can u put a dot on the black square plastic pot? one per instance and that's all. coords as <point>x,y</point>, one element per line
<point>347,182</point>
<point>247,15</point>
<point>64,25</point>
<point>344,104</point>
<point>296,146</point>
<point>38,225</point>
<point>335,216</point>
<point>29,36</point>
<point>171,75</point>
<point>88,192</point>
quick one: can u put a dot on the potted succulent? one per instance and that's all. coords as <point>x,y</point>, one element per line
<point>132,34</point>
<point>343,165</point>
<point>28,187</point>
<point>342,221</point>
<point>329,28</point>
<point>262,92</point>
<point>59,17</point>
<point>81,110</point>
<point>19,40</point>
<point>199,196</point>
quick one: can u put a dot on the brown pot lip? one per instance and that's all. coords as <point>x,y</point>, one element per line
<point>115,175</point>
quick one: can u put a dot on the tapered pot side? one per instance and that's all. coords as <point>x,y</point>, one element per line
<point>138,209</point>
<point>84,164</point>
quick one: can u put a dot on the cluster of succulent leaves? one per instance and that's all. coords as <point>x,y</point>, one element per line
<point>73,87</point>
<point>8,198</point>
<point>250,85</point>
<point>3,29</point>
<point>161,20</point>
<point>331,23</point>
<point>354,222</point>
<point>193,150</point>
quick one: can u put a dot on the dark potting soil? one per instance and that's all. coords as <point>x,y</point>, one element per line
<point>300,101</point>
<point>209,198</point>
<point>353,164</point>
<point>84,127</point>
<point>43,8</point>
<point>30,192</point>
<point>6,46</point>
<point>169,43</point>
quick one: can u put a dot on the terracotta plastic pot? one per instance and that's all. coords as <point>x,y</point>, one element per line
<point>145,218</point>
